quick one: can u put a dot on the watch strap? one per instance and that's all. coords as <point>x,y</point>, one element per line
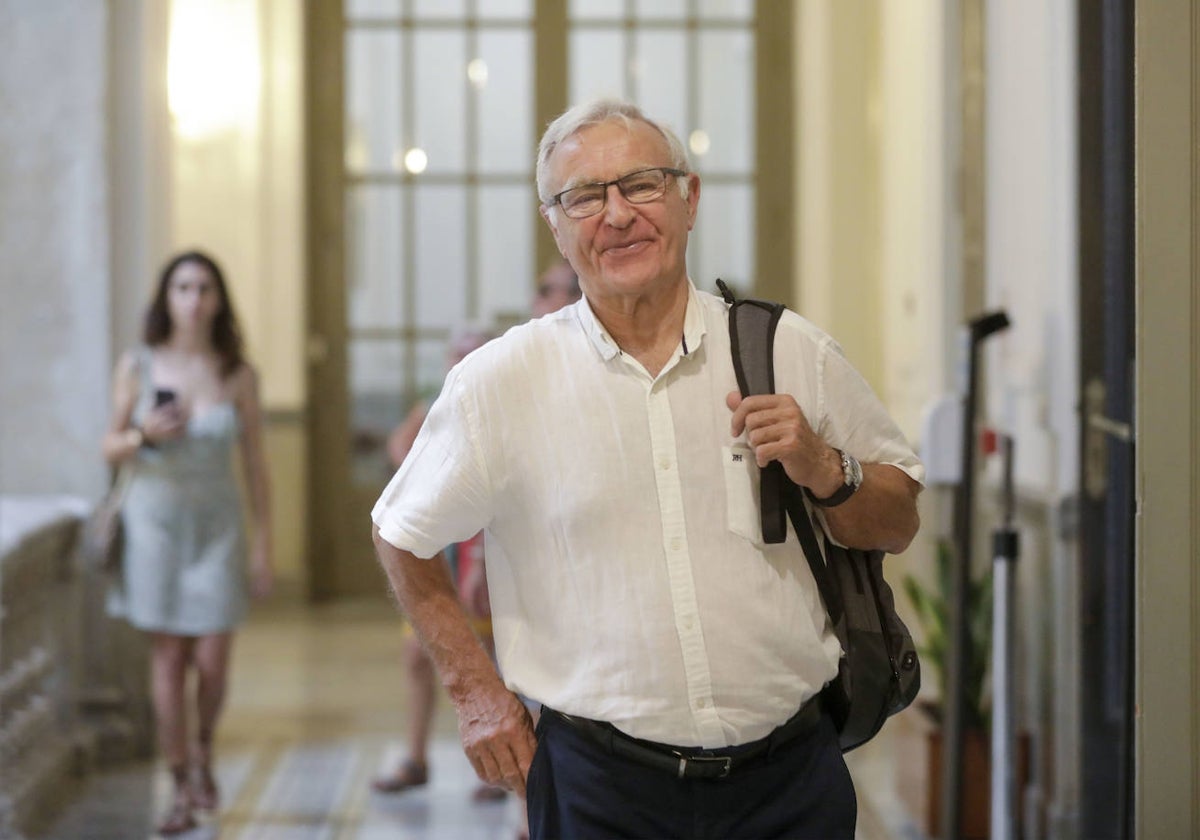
<point>843,493</point>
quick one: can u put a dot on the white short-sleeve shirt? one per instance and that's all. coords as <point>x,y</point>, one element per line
<point>628,578</point>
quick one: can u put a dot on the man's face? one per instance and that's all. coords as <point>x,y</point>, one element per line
<point>626,249</point>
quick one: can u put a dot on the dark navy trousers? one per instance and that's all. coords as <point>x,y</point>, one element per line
<point>576,790</point>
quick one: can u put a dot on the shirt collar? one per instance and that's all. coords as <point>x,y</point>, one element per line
<point>694,327</point>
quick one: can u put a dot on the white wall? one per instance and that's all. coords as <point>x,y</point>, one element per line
<point>1032,369</point>
<point>236,177</point>
<point>54,242</point>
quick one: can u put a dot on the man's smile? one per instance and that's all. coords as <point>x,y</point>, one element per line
<point>626,249</point>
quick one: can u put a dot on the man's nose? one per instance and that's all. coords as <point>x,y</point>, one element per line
<point>618,212</point>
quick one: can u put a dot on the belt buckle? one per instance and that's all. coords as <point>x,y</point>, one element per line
<point>725,761</point>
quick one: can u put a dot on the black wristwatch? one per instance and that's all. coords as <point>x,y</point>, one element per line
<point>851,481</point>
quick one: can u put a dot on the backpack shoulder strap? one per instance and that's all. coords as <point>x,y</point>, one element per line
<point>752,342</point>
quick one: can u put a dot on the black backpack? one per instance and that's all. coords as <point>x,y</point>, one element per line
<point>879,674</point>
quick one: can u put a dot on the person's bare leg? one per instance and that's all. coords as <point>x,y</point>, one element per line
<point>422,683</point>
<point>169,659</point>
<point>212,679</point>
<point>422,695</point>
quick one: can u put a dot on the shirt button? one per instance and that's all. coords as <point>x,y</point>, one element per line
<point>676,544</point>
<point>664,465</point>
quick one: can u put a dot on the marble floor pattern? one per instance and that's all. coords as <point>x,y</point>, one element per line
<point>316,709</point>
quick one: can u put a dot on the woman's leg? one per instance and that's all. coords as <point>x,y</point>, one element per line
<point>212,679</point>
<point>169,658</point>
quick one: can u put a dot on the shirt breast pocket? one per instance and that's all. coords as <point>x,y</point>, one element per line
<point>741,492</point>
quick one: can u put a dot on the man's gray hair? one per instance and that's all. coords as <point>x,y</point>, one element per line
<point>595,112</point>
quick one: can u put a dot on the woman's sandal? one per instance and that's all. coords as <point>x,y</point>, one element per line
<point>410,774</point>
<point>179,819</point>
<point>205,795</point>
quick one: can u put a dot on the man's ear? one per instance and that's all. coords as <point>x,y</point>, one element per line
<point>693,198</point>
<point>549,217</point>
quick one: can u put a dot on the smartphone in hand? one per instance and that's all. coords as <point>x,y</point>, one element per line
<point>163,396</point>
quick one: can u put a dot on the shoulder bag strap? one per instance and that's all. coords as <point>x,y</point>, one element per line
<point>752,340</point>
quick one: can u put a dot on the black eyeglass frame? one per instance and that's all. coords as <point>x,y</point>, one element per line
<point>665,170</point>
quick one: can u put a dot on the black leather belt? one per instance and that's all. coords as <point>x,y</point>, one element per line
<point>693,762</point>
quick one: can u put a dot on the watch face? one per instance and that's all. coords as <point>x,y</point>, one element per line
<point>852,469</point>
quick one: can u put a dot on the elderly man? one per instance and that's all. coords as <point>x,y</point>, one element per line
<point>606,453</point>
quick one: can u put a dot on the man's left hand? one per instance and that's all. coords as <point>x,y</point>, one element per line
<point>777,430</point>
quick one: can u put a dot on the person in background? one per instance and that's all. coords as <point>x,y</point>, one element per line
<point>557,287</point>
<point>183,401</point>
<point>465,563</point>
<point>612,462</point>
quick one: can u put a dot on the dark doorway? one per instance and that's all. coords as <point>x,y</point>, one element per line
<point>1106,211</point>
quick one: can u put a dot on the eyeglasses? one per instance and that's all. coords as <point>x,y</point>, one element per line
<point>639,187</point>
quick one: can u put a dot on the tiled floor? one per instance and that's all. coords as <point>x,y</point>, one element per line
<point>316,709</point>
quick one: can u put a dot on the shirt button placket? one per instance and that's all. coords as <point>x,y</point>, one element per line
<point>679,566</point>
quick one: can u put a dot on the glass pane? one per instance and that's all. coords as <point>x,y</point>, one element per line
<point>505,86</point>
<point>440,241</point>
<point>505,269</point>
<point>597,59</point>
<point>722,244</point>
<point>727,9</point>
<point>440,9</point>
<point>505,9</point>
<point>661,70</point>
<point>726,88</point>
<point>431,364</point>
<point>595,9</point>
<point>373,99</point>
<point>358,9</point>
<point>376,404</point>
<point>374,256</point>
<point>441,98</point>
<point>660,9</point>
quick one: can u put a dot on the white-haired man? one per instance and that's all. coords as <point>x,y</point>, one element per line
<point>606,453</point>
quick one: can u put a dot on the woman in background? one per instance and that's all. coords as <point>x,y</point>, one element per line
<point>180,403</point>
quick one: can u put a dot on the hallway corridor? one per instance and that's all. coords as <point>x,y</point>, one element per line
<point>316,709</point>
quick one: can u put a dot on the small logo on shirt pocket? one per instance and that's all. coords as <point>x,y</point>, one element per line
<point>741,492</point>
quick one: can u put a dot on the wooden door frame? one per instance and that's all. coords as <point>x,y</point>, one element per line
<point>1167,422</point>
<point>327,407</point>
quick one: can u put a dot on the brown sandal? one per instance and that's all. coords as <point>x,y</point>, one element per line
<point>179,819</point>
<point>410,774</point>
<point>205,795</point>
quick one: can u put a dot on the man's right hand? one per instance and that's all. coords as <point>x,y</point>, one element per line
<point>497,736</point>
<point>496,729</point>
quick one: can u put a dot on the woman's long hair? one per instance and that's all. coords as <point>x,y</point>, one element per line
<point>226,334</point>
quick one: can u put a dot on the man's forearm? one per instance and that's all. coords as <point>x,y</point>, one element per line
<point>881,515</point>
<point>426,595</point>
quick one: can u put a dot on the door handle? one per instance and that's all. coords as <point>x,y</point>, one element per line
<point>1106,425</point>
<point>1098,428</point>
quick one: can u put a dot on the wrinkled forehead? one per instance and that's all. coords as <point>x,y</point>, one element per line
<point>607,149</point>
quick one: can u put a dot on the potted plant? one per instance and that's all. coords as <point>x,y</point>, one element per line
<point>932,606</point>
